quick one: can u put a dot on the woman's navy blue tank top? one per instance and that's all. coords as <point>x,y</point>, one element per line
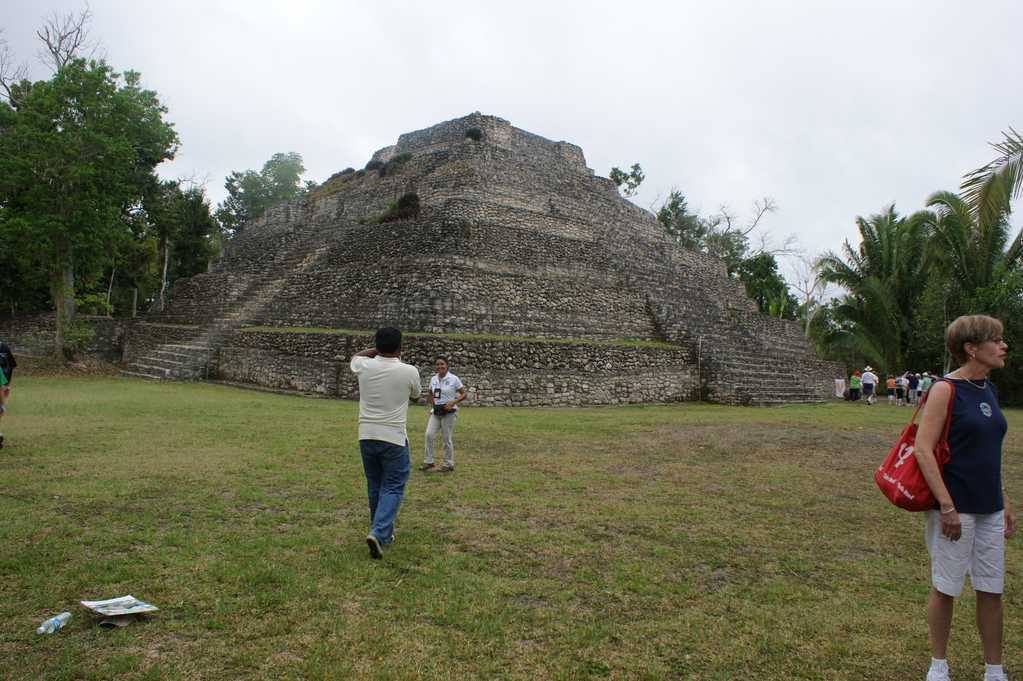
<point>973,474</point>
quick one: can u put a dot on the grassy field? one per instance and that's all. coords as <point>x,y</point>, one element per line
<point>686,542</point>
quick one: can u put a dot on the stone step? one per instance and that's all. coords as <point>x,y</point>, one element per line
<point>175,356</point>
<point>127,373</point>
<point>156,373</point>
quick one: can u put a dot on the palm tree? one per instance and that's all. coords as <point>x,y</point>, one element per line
<point>971,230</point>
<point>990,190</point>
<point>883,278</point>
<point>967,252</point>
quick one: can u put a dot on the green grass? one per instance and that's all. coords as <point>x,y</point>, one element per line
<point>688,542</point>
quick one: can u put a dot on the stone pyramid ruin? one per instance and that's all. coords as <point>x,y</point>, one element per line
<point>497,247</point>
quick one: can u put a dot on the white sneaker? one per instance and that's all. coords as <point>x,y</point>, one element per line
<point>997,677</point>
<point>938,674</point>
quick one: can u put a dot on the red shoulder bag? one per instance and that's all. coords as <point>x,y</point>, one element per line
<point>899,475</point>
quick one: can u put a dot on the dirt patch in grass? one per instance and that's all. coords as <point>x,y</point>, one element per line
<point>83,367</point>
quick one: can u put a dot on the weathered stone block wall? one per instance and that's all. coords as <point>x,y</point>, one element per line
<point>106,343</point>
<point>489,282</point>
<point>495,372</point>
<point>143,337</point>
<point>271,369</point>
<point>14,330</point>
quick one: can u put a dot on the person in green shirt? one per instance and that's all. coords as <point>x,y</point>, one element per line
<point>854,387</point>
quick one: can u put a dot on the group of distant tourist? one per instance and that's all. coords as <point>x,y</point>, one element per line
<point>902,390</point>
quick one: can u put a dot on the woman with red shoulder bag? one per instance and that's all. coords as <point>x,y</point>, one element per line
<point>967,529</point>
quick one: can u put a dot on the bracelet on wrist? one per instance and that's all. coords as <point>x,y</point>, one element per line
<point>948,511</point>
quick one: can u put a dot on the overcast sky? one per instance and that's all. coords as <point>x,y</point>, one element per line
<point>832,109</point>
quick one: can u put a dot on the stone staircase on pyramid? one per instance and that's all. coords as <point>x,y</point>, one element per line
<point>194,357</point>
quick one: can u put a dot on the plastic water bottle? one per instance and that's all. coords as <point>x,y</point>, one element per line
<point>53,624</point>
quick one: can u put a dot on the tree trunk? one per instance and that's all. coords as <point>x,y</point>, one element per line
<point>163,280</point>
<point>62,289</point>
<point>134,301</point>
<point>109,289</point>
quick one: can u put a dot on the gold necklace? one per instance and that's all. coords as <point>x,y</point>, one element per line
<point>978,387</point>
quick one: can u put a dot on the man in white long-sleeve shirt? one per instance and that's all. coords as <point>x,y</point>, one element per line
<point>386,384</point>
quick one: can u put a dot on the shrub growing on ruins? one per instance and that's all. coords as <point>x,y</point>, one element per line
<point>405,208</point>
<point>374,165</point>
<point>474,134</point>
<point>341,175</point>
<point>337,182</point>
<point>395,163</point>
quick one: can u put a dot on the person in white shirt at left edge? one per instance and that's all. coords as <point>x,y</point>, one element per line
<point>386,384</point>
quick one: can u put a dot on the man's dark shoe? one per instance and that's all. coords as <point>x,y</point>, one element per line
<point>1,440</point>
<point>375,551</point>
<point>426,467</point>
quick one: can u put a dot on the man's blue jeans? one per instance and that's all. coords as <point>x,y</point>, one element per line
<point>387,469</point>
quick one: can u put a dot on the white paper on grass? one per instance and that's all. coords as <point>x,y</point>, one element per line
<point>125,605</point>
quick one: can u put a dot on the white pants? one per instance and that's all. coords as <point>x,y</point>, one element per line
<point>446,426</point>
<point>980,550</point>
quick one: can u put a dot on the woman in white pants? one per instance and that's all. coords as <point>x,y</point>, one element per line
<point>446,391</point>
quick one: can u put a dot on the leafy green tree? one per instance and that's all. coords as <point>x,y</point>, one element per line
<point>73,150</point>
<point>967,253</point>
<point>990,192</point>
<point>884,277</point>
<point>718,235</point>
<point>23,286</point>
<point>687,228</point>
<point>251,193</point>
<point>827,325</point>
<point>765,285</point>
<point>198,237</point>
<point>187,233</point>
<point>631,180</point>
<point>910,278</point>
<point>136,272</point>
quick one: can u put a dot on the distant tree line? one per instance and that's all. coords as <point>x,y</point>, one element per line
<point>86,224</point>
<point>912,275</point>
<point>907,280</point>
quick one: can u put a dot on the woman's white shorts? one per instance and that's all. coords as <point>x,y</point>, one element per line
<point>980,551</point>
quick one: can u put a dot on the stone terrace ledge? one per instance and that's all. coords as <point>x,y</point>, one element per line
<point>496,372</point>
